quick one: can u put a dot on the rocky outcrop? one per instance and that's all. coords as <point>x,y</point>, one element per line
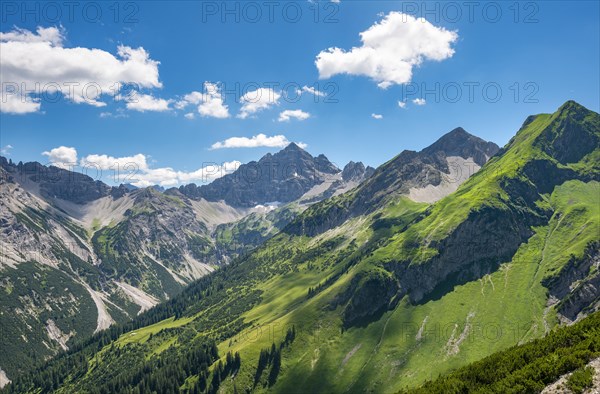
<point>583,300</point>
<point>460,143</point>
<point>475,248</point>
<point>356,172</point>
<point>4,380</point>
<point>577,284</point>
<point>159,236</point>
<point>368,294</point>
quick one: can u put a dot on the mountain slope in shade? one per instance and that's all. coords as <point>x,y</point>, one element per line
<point>356,171</point>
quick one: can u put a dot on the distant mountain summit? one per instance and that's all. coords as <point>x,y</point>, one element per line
<point>425,176</point>
<point>458,142</point>
<point>356,172</point>
<point>281,177</point>
<point>54,182</point>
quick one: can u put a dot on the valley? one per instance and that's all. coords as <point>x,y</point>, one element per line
<point>356,280</point>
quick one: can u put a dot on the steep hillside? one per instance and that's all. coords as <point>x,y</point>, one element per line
<point>236,238</point>
<point>531,367</point>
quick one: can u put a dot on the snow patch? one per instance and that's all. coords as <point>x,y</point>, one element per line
<point>268,207</point>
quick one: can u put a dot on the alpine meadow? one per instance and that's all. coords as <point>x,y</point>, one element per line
<point>168,223</point>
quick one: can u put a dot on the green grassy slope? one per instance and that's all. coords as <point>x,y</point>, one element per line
<point>392,298</point>
<point>525,368</point>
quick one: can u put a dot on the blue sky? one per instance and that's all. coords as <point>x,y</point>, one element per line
<point>539,54</point>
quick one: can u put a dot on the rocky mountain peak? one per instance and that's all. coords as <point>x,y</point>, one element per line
<point>572,107</point>
<point>459,142</point>
<point>281,177</point>
<point>356,172</point>
<point>55,182</point>
<point>573,133</point>
<point>292,146</point>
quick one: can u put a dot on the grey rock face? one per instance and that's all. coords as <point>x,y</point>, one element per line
<point>578,284</point>
<point>282,177</point>
<point>55,182</point>
<point>356,172</point>
<point>460,143</point>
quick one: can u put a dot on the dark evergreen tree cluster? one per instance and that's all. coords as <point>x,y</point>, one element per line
<point>165,374</point>
<point>222,371</point>
<point>290,335</point>
<point>268,358</point>
<point>272,358</point>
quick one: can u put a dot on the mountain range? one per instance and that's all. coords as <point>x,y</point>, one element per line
<point>78,255</point>
<point>291,275</point>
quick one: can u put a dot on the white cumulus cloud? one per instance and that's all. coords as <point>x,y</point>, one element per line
<point>145,102</point>
<point>135,169</point>
<point>39,62</point>
<point>260,140</point>
<point>63,156</point>
<point>105,162</point>
<point>402,104</point>
<point>311,90</point>
<point>389,51</point>
<point>419,101</point>
<point>13,102</point>
<point>167,176</point>
<point>211,103</point>
<point>377,116</point>
<point>6,150</point>
<point>288,114</point>
<point>258,100</point>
